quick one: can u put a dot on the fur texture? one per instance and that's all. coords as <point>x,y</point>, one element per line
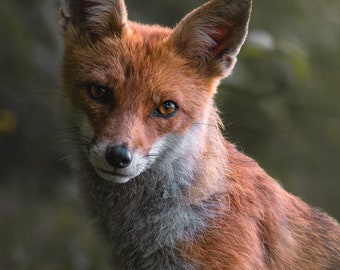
<point>187,199</point>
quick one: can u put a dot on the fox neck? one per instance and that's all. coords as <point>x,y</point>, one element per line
<point>164,205</point>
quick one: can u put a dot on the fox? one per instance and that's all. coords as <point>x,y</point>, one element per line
<point>165,188</point>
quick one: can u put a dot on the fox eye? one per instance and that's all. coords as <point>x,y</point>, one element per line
<point>166,110</point>
<point>98,93</point>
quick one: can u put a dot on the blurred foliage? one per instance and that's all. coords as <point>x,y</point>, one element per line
<point>280,106</point>
<point>8,122</point>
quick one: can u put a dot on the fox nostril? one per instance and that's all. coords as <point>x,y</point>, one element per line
<point>118,156</point>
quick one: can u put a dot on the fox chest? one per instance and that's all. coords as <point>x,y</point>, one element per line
<point>144,229</point>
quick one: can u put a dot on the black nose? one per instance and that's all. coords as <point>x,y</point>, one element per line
<point>118,156</point>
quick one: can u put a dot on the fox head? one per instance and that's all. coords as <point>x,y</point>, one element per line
<point>139,94</point>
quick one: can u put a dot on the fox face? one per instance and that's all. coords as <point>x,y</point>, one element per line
<point>141,95</point>
<point>132,112</point>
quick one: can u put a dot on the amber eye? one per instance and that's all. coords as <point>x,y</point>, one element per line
<point>166,110</point>
<point>98,93</point>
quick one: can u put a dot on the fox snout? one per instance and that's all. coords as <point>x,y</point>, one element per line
<point>121,162</point>
<point>118,163</point>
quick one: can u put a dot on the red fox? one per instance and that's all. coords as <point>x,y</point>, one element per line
<point>165,188</point>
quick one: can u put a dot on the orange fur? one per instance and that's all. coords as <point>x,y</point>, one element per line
<point>261,226</point>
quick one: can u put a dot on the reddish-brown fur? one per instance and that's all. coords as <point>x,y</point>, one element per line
<point>261,226</point>
<point>256,224</point>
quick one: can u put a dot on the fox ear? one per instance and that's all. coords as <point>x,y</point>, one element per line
<point>211,36</point>
<point>97,18</point>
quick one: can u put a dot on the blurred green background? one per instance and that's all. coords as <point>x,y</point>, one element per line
<point>280,106</point>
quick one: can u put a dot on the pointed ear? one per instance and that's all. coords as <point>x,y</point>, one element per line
<point>96,18</point>
<point>211,36</point>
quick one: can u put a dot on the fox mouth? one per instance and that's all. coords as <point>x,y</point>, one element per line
<point>113,176</point>
<point>113,173</point>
